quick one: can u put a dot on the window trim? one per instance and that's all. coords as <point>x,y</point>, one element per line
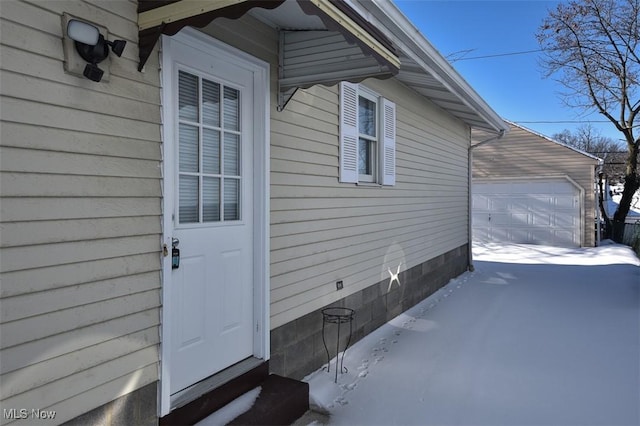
<point>383,164</point>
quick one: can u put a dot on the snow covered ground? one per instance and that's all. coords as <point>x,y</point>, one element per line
<point>612,202</point>
<point>535,336</point>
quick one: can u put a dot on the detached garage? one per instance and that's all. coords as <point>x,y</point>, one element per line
<point>530,189</point>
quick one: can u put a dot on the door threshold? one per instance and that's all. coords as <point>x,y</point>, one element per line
<point>205,386</point>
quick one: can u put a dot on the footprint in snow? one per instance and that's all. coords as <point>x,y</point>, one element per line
<point>363,374</point>
<point>348,387</point>
<point>340,400</point>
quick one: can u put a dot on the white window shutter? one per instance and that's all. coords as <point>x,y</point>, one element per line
<point>348,132</point>
<point>388,151</point>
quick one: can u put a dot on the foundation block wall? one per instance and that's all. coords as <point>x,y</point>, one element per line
<point>136,408</point>
<point>297,348</point>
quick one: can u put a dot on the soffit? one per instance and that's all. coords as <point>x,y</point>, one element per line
<point>427,85</point>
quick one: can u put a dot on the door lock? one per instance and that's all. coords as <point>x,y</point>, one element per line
<point>175,253</point>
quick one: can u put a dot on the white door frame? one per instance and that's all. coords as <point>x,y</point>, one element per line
<point>260,70</point>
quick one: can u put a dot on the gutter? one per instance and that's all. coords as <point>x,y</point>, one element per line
<point>470,197</point>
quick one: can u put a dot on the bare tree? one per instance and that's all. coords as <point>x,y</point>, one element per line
<point>591,47</point>
<point>589,139</point>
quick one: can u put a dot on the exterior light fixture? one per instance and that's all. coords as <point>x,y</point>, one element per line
<point>92,47</point>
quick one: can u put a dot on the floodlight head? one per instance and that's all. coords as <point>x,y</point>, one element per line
<point>82,32</point>
<point>92,47</point>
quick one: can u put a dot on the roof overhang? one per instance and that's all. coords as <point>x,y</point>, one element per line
<point>426,71</point>
<point>360,50</point>
<point>327,41</point>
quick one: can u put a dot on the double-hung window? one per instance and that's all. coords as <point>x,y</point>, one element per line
<point>367,136</point>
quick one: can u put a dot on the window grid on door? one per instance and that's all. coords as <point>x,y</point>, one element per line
<point>209,151</point>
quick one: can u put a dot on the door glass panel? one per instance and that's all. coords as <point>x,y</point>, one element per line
<point>231,199</point>
<point>188,96</point>
<point>188,151</point>
<point>211,103</point>
<point>209,147</point>
<point>211,199</point>
<point>211,151</point>
<point>188,190</point>
<point>231,154</point>
<point>231,107</point>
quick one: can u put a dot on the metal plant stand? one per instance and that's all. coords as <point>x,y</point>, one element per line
<point>337,316</point>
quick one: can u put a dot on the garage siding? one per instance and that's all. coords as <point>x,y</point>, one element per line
<point>525,154</point>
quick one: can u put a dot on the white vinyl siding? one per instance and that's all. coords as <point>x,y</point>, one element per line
<point>323,231</point>
<point>522,154</point>
<point>80,213</point>
<point>81,206</point>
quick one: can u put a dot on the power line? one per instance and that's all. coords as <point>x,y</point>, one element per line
<point>561,121</point>
<point>523,52</point>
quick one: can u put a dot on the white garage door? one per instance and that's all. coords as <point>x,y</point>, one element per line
<point>532,212</point>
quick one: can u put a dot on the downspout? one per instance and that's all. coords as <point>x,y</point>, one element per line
<point>470,197</point>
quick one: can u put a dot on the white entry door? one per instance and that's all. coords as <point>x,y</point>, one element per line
<point>209,167</point>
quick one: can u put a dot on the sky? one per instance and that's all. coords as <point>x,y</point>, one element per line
<point>535,335</point>
<point>514,85</point>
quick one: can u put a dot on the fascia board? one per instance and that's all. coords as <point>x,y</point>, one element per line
<point>183,9</point>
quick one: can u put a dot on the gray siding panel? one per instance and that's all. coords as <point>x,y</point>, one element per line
<point>80,214</point>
